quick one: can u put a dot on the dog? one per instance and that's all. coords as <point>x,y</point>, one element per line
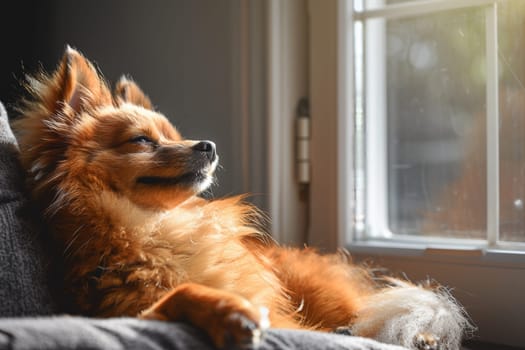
<point>118,186</point>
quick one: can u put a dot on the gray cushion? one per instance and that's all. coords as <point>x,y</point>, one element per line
<point>127,333</point>
<point>23,267</point>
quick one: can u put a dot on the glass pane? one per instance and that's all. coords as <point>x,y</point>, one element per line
<point>435,77</point>
<point>511,20</point>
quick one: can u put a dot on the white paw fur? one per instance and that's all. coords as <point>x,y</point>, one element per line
<point>398,314</point>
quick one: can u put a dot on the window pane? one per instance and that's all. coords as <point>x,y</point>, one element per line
<point>430,74</point>
<point>511,17</point>
<point>435,78</point>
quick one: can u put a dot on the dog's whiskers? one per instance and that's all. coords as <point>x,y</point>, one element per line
<point>74,237</point>
<point>81,247</point>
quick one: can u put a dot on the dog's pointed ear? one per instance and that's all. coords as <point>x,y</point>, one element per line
<point>78,84</point>
<point>128,91</point>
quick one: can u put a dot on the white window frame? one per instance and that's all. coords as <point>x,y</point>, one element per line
<point>489,280</point>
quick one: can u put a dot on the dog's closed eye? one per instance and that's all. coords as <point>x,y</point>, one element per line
<point>142,139</point>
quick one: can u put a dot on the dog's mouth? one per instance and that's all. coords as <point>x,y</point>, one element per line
<point>186,179</point>
<point>197,179</point>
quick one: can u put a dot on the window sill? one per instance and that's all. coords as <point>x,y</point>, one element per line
<point>460,254</point>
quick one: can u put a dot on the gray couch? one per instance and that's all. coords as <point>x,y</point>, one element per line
<point>30,317</point>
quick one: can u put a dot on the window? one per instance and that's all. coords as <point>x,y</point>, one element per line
<point>433,81</point>
<point>430,127</point>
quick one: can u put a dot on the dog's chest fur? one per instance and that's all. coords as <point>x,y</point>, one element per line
<point>128,257</point>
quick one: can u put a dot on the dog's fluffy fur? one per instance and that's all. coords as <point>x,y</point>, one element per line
<point>118,186</point>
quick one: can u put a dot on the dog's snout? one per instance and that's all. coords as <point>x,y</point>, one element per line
<point>206,147</point>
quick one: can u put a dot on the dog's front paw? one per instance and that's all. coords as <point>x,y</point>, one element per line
<point>426,341</point>
<point>243,327</point>
<point>229,319</point>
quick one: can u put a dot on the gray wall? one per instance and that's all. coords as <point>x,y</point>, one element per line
<point>185,55</point>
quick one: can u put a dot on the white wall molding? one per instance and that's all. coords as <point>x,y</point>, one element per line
<point>287,63</point>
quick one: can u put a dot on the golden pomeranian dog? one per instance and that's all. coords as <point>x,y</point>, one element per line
<point>117,185</point>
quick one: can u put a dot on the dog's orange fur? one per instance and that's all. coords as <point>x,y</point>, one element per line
<point>158,250</point>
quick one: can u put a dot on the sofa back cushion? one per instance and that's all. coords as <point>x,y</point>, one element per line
<point>24,267</point>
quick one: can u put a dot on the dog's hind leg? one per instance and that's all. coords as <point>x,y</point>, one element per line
<point>329,292</point>
<point>326,291</point>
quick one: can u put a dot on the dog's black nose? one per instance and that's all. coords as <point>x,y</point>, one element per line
<point>207,147</point>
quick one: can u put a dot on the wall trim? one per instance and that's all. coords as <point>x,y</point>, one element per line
<point>287,82</point>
